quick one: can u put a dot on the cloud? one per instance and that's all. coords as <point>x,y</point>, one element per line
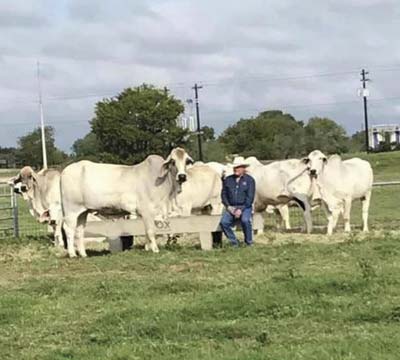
<point>249,56</point>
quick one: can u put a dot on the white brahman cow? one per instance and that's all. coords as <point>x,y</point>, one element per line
<point>218,167</point>
<point>280,182</point>
<point>338,183</point>
<point>201,189</point>
<point>145,188</point>
<point>42,192</point>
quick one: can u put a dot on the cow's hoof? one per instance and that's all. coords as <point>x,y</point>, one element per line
<point>147,247</point>
<point>155,249</point>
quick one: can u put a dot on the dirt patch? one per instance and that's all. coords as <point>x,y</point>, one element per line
<point>274,238</point>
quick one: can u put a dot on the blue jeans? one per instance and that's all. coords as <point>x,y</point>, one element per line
<point>228,221</point>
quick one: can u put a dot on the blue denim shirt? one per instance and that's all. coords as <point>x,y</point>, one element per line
<point>238,194</point>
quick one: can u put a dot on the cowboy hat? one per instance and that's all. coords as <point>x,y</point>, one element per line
<point>239,161</point>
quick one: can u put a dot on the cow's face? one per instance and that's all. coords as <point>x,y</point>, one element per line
<point>177,163</point>
<point>24,182</point>
<point>315,162</point>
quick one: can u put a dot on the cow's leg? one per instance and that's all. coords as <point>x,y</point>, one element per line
<point>333,215</point>
<point>217,209</point>
<point>328,214</point>
<point>304,203</point>
<point>346,214</point>
<point>80,233</point>
<point>216,206</point>
<point>58,238</point>
<point>284,213</point>
<point>151,244</point>
<point>365,208</point>
<point>69,225</point>
<point>173,208</point>
<point>278,217</point>
<point>186,210</point>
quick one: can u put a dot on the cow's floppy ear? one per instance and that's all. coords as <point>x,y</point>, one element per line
<point>14,180</point>
<point>305,160</point>
<point>34,176</point>
<point>167,161</point>
<point>189,161</point>
<point>165,167</point>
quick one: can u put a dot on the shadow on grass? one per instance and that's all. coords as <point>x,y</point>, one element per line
<point>94,253</point>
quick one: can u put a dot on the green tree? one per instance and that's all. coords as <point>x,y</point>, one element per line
<point>7,156</point>
<point>215,151</point>
<point>212,149</point>
<point>357,142</point>
<point>208,133</point>
<point>270,135</point>
<point>86,148</point>
<point>137,122</point>
<point>29,150</point>
<point>326,135</point>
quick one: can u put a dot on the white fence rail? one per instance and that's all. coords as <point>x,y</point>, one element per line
<point>386,183</point>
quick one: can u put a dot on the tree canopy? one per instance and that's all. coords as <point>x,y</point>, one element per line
<point>276,135</point>
<point>86,148</point>
<point>326,135</point>
<point>143,120</point>
<point>137,122</point>
<point>270,135</point>
<point>29,150</point>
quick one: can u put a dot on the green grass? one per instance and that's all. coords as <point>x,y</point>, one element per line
<point>309,301</point>
<point>385,165</point>
<point>290,297</point>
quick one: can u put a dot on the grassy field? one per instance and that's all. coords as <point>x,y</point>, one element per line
<point>277,301</point>
<point>385,165</point>
<point>292,296</point>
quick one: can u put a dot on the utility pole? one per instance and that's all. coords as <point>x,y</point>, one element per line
<point>365,95</point>
<point>44,153</point>
<point>196,89</point>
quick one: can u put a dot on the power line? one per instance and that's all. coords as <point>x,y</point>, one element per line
<point>211,83</point>
<point>301,105</point>
<point>288,78</point>
<point>241,110</point>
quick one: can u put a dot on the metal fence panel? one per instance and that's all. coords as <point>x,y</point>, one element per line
<point>6,211</point>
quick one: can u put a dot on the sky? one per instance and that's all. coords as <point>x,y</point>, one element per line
<point>303,58</point>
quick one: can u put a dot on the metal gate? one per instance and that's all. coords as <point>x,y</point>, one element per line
<point>8,212</point>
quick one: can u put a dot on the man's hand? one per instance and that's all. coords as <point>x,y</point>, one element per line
<point>231,209</point>
<point>238,213</point>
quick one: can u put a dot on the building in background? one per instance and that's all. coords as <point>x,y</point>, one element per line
<point>388,134</point>
<point>187,119</point>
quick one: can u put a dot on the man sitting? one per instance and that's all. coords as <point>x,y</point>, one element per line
<point>237,196</point>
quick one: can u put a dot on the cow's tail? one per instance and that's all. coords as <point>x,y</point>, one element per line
<point>300,203</point>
